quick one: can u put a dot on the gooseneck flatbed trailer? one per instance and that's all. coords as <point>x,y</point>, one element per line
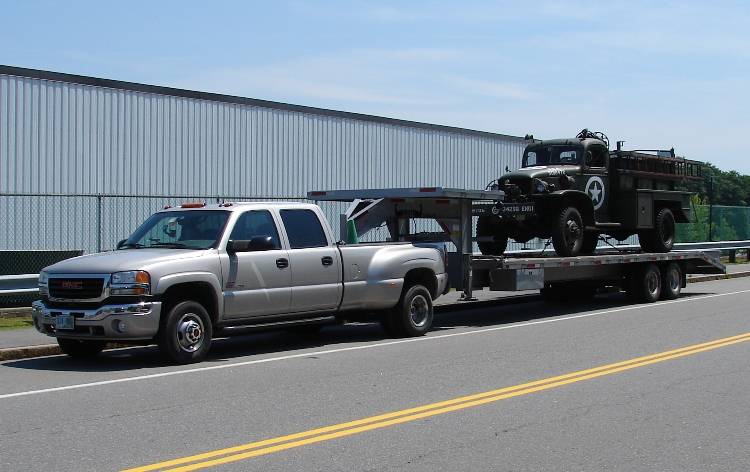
<point>645,276</point>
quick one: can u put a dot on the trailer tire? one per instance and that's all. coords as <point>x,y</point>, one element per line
<point>671,282</point>
<point>661,238</point>
<point>185,333</point>
<point>567,232</point>
<point>80,348</point>
<point>413,314</point>
<point>487,226</point>
<point>645,284</point>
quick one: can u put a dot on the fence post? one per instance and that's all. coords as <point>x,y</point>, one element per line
<point>98,223</point>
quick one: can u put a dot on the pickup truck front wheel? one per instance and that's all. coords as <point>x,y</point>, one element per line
<point>185,333</point>
<point>413,314</point>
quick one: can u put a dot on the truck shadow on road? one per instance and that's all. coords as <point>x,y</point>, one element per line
<point>447,319</point>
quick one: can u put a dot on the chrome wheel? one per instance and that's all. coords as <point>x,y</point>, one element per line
<point>652,283</point>
<point>419,311</point>
<point>190,332</point>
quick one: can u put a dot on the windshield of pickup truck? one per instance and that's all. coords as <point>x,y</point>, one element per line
<point>551,155</point>
<point>199,229</point>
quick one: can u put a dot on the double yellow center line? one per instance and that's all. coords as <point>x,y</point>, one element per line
<point>281,443</point>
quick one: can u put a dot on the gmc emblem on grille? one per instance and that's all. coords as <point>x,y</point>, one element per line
<point>71,284</point>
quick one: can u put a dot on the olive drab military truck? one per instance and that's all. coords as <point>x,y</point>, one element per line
<point>575,190</point>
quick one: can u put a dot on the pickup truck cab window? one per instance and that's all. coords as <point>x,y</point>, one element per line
<point>256,223</point>
<point>195,229</point>
<point>303,229</point>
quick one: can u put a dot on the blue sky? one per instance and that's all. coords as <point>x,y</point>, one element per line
<point>653,74</point>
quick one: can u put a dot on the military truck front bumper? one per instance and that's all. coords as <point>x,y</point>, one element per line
<point>126,322</point>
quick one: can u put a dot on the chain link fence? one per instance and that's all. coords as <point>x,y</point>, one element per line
<point>716,223</point>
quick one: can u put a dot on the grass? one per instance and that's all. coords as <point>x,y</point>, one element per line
<point>15,323</point>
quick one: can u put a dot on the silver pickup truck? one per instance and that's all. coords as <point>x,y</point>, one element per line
<point>190,272</point>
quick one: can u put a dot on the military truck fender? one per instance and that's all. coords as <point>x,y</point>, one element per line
<point>574,198</point>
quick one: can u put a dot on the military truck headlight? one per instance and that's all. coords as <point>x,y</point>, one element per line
<point>540,186</point>
<point>43,283</point>
<point>133,282</point>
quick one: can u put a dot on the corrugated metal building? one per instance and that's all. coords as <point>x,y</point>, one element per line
<point>83,160</point>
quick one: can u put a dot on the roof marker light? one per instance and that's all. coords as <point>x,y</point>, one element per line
<point>193,205</point>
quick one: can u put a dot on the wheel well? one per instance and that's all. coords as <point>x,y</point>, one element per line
<point>200,292</point>
<point>676,207</point>
<point>580,201</point>
<point>424,277</point>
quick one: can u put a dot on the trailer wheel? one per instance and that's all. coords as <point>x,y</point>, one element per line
<point>671,283</point>
<point>487,227</point>
<point>185,333</point>
<point>567,233</point>
<point>413,314</point>
<point>645,284</point>
<point>661,238</point>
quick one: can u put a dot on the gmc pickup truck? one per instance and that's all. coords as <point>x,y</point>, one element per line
<point>194,271</point>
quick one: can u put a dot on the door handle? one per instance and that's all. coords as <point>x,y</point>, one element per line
<point>327,260</point>
<point>282,263</point>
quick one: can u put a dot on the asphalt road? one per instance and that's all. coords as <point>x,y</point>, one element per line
<point>684,410</point>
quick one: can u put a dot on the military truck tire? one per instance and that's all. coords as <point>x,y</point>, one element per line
<point>413,314</point>
<point>671,281</point>
<point>645,284</point>
<point>185,333</point>
<point>487,227</point>
<point>661,238</point>
<point>590,241</point>
<point>567,233</point>
<point>80,348</point>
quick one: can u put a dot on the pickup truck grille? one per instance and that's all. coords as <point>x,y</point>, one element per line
<point>76,289</point>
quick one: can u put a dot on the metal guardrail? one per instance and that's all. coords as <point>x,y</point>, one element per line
<point>23,284</point>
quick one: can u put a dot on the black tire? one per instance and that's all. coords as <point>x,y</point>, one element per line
<point>671,281</point>
<point>488,226</point>
<point>590,241</point>
<point>661,238</point>
<point>645,284</point>
<point>413,314</point>
<point>80,348</point>
<point>567,232</point>
<point>185,333</point>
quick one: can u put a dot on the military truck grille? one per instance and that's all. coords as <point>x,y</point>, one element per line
<point>75,289</point>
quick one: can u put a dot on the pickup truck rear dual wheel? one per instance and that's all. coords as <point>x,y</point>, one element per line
<point>412,316</point>
<point>80,348</point>
<point>661,238</point>
<point>488,227</point>
<point>185,333</point>
<point>567,232</point>
<point>645,284</point>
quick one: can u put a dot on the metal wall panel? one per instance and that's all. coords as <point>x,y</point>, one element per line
<point>67,138</point>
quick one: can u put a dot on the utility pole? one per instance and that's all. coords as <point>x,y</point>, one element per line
<point>711,208</point>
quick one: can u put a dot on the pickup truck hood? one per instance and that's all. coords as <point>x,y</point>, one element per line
<point>121,260</point>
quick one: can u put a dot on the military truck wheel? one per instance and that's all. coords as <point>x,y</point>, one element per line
<point>567,233</point>
<point>661,238</point>
<point>671,282</point>
<point>487,227</point>
<point>185,333</point>
<point>645,284</point>
<point>590,241</point>
<point>413,315</point>
<point>80,348</point>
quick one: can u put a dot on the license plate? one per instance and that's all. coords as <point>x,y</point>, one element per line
<point>64,322</point>
<point>516,208</point>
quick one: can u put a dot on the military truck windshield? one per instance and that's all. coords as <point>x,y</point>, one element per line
<point>551,155</point>
<point>197,229</point>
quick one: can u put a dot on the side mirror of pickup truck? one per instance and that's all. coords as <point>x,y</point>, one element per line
<point>258,243</point>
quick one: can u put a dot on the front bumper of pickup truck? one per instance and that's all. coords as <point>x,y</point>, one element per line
<point>131,321</point>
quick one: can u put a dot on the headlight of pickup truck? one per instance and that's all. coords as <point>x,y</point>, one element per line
<point>43,283</point>
<point>133,282</point>
<point>540,186</point>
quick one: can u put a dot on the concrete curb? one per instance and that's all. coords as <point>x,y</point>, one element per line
<point>25,352</point>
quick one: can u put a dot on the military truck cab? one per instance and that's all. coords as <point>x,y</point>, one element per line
<point>574,190</point>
